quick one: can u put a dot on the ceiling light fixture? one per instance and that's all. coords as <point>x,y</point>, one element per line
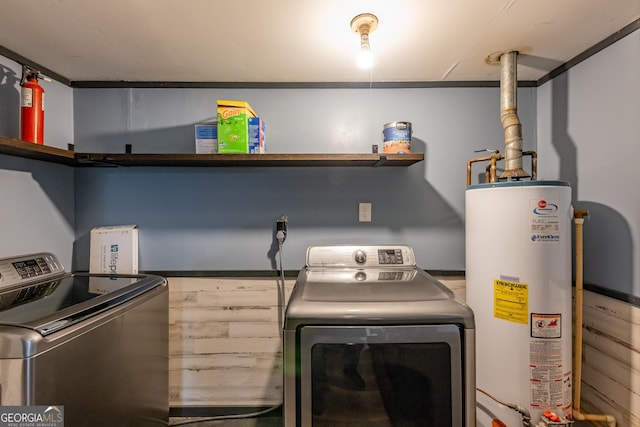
<point>364,24</point>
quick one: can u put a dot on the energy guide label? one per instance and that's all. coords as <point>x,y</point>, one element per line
<point>511,301</point>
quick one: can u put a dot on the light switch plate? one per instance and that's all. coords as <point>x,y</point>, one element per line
<point>364,212</point>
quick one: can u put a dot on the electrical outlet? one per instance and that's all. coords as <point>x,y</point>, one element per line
<point>364,212</point>
<point>281,228</point>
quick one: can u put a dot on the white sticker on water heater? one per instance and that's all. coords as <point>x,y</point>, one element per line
<point>546,374</point>
<point>545,220</point>
<point>546,325</point>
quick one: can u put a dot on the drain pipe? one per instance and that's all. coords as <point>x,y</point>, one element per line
<point>509,117</point>
<point>579,216</point>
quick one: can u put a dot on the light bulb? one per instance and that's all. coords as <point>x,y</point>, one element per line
<point>364,24</point>
<point>365,58</point>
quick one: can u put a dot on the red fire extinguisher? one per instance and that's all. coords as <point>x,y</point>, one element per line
<point>31,107</point>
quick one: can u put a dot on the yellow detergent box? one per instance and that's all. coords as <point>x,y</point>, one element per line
<point>114,250</point>
<point>233,126</point>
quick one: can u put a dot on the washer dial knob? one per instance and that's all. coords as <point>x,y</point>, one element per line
<point>360,256</point>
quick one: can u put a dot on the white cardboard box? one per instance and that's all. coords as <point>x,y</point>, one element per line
<point>114,250</point>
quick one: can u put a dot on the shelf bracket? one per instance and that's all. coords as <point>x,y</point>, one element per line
<point>85,159</point>
<point>380,162</point>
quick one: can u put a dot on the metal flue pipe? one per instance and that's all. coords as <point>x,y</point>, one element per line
<point>509,117</point>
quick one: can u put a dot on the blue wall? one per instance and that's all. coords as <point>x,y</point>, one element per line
<point>583,123</point>
<point>223,218</point>
<point>589,134</point>
<point>37,209</point>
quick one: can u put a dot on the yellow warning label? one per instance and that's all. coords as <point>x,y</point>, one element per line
<point>511,301</point>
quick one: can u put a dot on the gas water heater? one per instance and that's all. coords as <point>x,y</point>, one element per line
<point>518,275</point>
<point>518,281</point>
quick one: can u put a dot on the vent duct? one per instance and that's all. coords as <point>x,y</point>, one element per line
<point>510,123</point>
<point>509,117</point>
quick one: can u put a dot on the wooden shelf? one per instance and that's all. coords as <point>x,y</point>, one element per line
<point>25,149</point>
<point>249,160</point>
<point>15,147</point>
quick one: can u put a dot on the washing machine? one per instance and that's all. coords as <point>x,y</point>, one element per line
<point>92,348</point>
<point>370,339</point>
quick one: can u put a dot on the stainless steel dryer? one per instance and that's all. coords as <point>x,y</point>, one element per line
<point>370,339</point>
<point>96,345</point>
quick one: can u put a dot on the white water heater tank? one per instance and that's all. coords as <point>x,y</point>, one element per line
<point>518,276</point>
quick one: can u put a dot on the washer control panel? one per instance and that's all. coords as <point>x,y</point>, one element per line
<point>29,268</point>
<point>389,256</point>
<point>360,256</point>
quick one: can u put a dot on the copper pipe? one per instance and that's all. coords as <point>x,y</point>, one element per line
<point>534,164</point>
<point>493,158</point>
<point>469,162</point>
<point>491,169</point>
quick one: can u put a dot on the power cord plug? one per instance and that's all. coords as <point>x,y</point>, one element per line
<point>281,229</point>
